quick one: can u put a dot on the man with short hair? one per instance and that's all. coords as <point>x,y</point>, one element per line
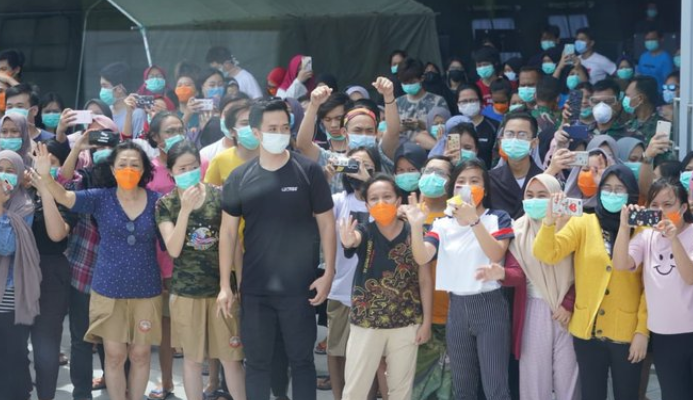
<point>220,57</point>
<point>598,66</point>
<point>115,80</point>
<point>11,67</point>
<point>286,203</point>
<point>655,62</point>
<point>508,182</point>
<point>23,100</point>
<point>527,89</point>
<point>550,38</point>
<point>416,103</point>
<point>606,109</point>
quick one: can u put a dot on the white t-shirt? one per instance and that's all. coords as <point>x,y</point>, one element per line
<point>248,85</point>
<point>208,152</point>
<point>598,67</point>
<point>460,254</point>
<point>344,206</point>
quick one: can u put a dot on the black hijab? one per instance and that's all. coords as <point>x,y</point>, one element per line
<point>610,221</point>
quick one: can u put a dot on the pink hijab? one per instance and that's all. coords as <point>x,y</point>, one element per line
<point>292,73</point>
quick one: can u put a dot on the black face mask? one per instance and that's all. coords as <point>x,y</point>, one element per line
<point>430,76</point>
<point>457,75</point>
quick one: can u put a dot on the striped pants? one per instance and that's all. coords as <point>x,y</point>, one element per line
<point>478,340</point>
<point>547,362</point>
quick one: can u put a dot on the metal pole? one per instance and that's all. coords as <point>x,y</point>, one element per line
<point>141,28</point>
<point>80,69</point>
<point>684,113</point>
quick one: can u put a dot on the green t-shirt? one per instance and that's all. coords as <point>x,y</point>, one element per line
<point>196,270</point>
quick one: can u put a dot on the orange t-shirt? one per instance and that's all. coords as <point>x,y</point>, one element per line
<point>441,299</point>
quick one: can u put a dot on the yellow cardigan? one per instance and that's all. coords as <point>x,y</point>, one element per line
<point>615,299</point>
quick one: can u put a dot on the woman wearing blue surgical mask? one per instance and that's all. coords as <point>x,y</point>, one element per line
<point>50,108</point>
<point>409,160</point>
<point>625,71</point>
<point>686,171</point>
<point>609,322</point>
<point>14,136</point>
<point>165,131</point>
<point>435,127</point>
<point>189,220</point>
<point>544,302</point>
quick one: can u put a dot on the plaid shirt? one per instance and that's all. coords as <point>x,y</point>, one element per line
<point>82,245</point>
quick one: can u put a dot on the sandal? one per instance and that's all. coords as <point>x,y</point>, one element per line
<point>159,394</point>
<point>98,383</point>
<point>323,383</point>
<point>321,348</point>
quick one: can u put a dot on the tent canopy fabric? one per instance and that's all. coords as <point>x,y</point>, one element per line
<point>185,13</point>
<point>350,39</point>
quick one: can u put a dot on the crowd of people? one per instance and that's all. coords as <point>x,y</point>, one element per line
<point>462,234</point>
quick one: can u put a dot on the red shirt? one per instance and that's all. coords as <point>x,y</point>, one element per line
<point>485,94</point>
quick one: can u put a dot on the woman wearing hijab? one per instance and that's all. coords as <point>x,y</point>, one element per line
<point>21,277</point>
<point>582,182</point>
<point>631,152</point>
<point>298,80</point>
<point>274,79</point>
<point>155,84</point>
<point>14,136</point>
<point>542,342</point>
<point>609,322</point>
<point>435,126</point>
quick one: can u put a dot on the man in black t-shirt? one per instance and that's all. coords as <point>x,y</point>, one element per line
<point>286,203</point>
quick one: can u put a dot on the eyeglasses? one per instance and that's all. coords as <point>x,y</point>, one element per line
<point>517,135</point>
<point>130,226</point>
<point>468,101</point>
<point>610,100</point>
<point>671,86</point>
<point>435,171</point>
<point>615,190</point>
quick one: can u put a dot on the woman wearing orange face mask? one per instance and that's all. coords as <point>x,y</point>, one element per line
<point>664,254</point>
<point>125,307</point>
<point>468,245</point>
<point>391,297</point>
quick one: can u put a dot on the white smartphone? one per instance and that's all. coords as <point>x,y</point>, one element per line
<point>83,117</point>
<point>205,104</point>
<point>307,63</point>
<point>663,128</point>
<point>581,159</point>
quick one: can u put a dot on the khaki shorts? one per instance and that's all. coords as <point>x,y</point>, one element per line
<point>337,328</point>
<point>200,333</point>
<point>131,321</point>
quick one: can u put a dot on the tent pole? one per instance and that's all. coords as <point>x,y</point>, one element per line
<point>685,109</point>
<point>80,69</point>
<point>141,28</point>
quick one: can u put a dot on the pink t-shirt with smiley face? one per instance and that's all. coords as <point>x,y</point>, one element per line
<point>669,298</point>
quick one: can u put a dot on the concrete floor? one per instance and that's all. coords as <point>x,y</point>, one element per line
<point>64,391</point>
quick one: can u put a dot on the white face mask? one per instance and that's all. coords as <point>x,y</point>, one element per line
<point>602,113</point>
<point>470,110</point>
<point>275,143</point>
